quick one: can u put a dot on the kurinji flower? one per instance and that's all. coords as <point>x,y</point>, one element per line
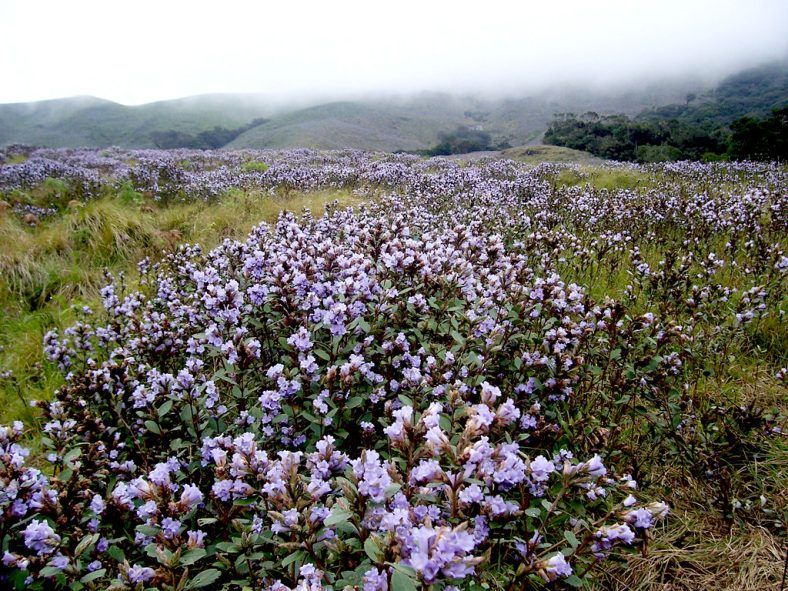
<point>196,539</point>
<point>191,496</point>
<point>140,574</point>
<point>40,537</point>
<point>541,468</point>
<point>426,471</point>
<point>97,505</point>
<point>481,417</point>
<point>471,494</point>
<point>170,527</point>
<point>593,467</point>
<point>606,537</point>
<point>556,566</point>
<point>300,340</point>
<point>658,509</point>
<point>639,518</point>
<point>372,474</point>
<point>436,439</point>
<point>507,413</point>
<point>489,393</point>
<point>13,560</point>
<point>286,357</point>
<point>402,420</point>
<point>58,561</point>
<point>432,551</point>
<point>287,522</point>
<point>374,580</point>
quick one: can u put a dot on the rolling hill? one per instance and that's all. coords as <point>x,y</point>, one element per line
<point>92,122</point>
<point>374,123</point>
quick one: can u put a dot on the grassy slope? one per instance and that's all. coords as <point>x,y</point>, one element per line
<point>386,126</point>
<point>58,265</point>
<point>539,154</point>
<point>92,122</point>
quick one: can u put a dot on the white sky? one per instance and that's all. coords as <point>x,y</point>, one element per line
<point>142,50</point>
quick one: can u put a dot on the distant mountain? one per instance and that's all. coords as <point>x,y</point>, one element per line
<point>383,123</point>
<point>416,123</point>
<point>753,92</point>
<point>91,122</point>
<point>744,117</point>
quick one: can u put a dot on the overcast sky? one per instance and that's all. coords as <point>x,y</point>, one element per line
<point>140,51</point>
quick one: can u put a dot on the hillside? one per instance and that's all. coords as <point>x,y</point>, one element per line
<point>381,123</point>
<point>753,92</point>
<point>416,123</point>
<point>744,118</point>
<point>93,122</point>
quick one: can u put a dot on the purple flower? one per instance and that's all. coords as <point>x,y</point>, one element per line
<point>433,551</point>
<point>541,468</point>
<point>40,537</point>
<point>196,539</point>
<point>191,496</point>
<point>171,527</point>
<point>58,561</point>
<point>97,505</point>
<point>372,475</point>
<point>557,566</point>
<point>375,580</point>
<point>140,574</point>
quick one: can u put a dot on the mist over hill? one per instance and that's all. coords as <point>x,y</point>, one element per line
<point>387,123</point>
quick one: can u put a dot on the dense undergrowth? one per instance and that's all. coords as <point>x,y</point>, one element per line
<point>488,376</point>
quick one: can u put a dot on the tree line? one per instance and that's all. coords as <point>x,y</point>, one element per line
<point>618,137</point>
<point>210,139</point>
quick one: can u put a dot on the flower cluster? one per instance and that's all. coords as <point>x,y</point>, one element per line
<point>404,394</point>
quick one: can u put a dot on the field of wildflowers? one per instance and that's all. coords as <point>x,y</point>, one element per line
<point>480,377</point>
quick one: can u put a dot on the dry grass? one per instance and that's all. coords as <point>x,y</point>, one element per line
<point>690,556</point>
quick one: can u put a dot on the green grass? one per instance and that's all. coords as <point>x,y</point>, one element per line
<point>539,154</point>
<point>254,166</point>
<point>51,269</point>
<point>602,178</point>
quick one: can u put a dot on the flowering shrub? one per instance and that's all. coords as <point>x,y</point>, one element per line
<point>404,396</point>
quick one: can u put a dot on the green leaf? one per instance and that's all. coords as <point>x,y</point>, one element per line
<point>372,549</point>
<point>571,538</point>
<point>49,571</point>
<point>292,557</point>
<point>402,582</point>
<point>533,512</point>
<point>116,553</point>
<point>228,547</point>
<point>573,581</point>
<point>96,574</point>
<point>72,455</point>
<point>85,542</point>
<point>321,354</point>
<point>192,556</point>
<point>354,402</point>
<point>165,408</point>
<point>153,427</point>
<point>204,579</point>
<point>337,516</point>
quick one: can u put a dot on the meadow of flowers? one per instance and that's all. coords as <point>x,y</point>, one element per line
<point>481,378</point>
